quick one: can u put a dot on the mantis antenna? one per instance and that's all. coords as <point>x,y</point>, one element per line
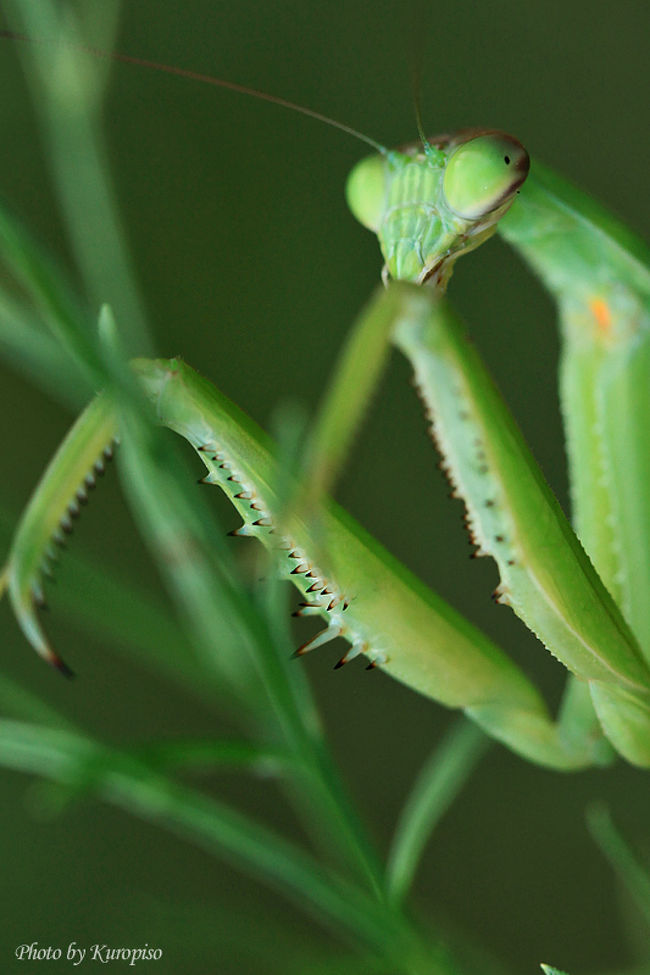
<point>416,83</point>
<point>207,79</point>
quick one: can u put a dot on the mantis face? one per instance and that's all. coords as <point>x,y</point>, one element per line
<point>428,206</point>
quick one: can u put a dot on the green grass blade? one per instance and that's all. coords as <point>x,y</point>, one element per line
<point>66,757</point>
<point>28,349</point>
<point>633,874</point>
<point>347,398</point>
<point>16,700</point>
<point>65,92</point>
<point>45,286</point>
<point>438,783</point>
<point>208,756</point>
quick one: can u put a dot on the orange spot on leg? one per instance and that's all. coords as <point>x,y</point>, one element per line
<point>602,314</point>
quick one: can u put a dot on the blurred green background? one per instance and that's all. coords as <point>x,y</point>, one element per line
<point>252,269</point>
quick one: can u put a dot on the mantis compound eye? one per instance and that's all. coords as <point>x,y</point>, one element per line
<point>366,191</point>
<point>483,174</point>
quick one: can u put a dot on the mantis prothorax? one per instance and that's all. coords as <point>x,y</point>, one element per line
<point>584,595</point>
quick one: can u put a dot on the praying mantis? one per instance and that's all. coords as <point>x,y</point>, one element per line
<point>584,594</point>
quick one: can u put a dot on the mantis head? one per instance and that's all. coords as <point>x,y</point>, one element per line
<point>430,204</point>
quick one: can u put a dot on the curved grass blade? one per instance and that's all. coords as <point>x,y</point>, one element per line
<point>634,875</point>
<point>70,758</point>
<point>44,284</point>
<point>223,754</point>
<point>65,94</point>
<point>347,399</point>
<point>16,700</point>
<point>439,781</point>
<point>30,350</point>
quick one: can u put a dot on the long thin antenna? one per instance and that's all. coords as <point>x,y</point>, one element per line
<point>207,79</point>
<point>434,155</point>
<point>416,87</point>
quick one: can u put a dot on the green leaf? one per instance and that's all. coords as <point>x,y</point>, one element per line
<point>440,780</point>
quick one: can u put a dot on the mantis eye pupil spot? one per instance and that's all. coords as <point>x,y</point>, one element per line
<point>506,159</point>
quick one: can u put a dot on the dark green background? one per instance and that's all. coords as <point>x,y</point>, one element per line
<point>252,269</point>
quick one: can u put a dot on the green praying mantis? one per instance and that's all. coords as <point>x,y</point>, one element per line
<point>584,593</point>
